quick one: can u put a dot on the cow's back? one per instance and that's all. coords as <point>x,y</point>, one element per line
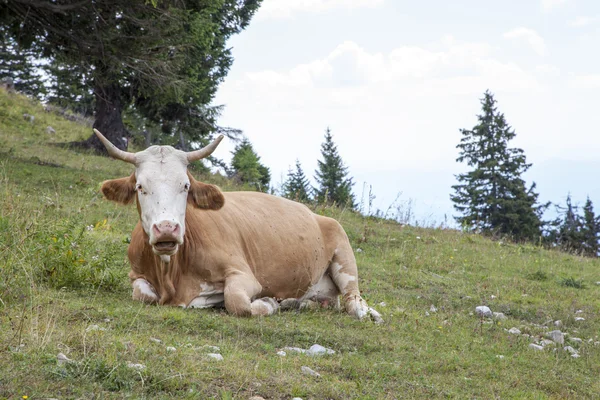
<point>286,246</point>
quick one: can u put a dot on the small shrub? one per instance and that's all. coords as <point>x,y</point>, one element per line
<point>538,275</point>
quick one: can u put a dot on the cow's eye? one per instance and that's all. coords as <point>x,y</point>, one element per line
<point>138,187</point>
<point>186,187</point>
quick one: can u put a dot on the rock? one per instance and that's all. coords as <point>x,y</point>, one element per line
<point>492,297</point>
<point>570,349</point>
<point>308,371</point>
<point>598,283</point>
<point>138,367</point>
<point>536,347</point>
<point>281,353</point>
<point>318,350</point>
<point>294,350</point>
<point>579,312</point>
<point>427,313</point>
<point>29,117</point>
<point>215,356</point>
<point>212,349</point>
<point>433,309</point>
<point>575,340</point>
<point>171,348</point>
<point>383,304</point>
<point>557,336</point>
<point>359,250</point>
<point>297,398</point>
<point>92,328</point>
<point>106,320</point>
<point>579,319</point>
<point>558,322</point>
<point>50,130</point>
<point>155,340</point>
<point>500,356</point>
<point>514,331</point>
<point>546,342</point>
<point>576,355</point>
<point>256,398</point>
<point>62,359</point>
<point>483,311</point>
<point>499,316</point>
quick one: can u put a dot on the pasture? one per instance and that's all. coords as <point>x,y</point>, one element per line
<point>64,289</point>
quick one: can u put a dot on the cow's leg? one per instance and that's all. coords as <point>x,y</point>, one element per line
<point>143,291</point>
<point>239,291</point>
<point>344,274</point>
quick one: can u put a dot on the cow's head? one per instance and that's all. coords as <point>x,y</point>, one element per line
<point>163,187</point>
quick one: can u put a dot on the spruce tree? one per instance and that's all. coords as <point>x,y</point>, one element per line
<point>590,230</point>
<point>334,185</point>
<point>296,186</point>
<point>492,198</point>
<point>569,233</point>
<point>18,64</point>
<point>247,168</point>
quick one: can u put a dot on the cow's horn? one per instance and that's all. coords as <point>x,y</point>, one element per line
<point>113,151</point>
<point>205,151</point>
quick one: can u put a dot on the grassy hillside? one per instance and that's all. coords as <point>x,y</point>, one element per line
<point>64,289</point>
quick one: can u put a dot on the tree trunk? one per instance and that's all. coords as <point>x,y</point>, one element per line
<point>108,120</point>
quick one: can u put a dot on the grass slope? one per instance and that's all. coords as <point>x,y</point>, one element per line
<point>63,269</point>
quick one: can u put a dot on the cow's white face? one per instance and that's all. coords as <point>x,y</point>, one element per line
<point>163,189</point>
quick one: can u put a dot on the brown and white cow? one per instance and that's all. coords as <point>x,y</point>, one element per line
<point>198,247</point>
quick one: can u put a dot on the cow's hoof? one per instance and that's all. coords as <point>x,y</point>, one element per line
<point>264,306</point>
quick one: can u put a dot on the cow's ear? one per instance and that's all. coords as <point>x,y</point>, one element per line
<point>202,195</point>
<point>120,190</point>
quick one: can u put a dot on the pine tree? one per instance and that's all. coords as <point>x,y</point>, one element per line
<point>331,176</point>
<point>590,230</point>
<point>18,65</point>
<point>246,167</point>
<point>568,235</point>
<point>296,186</point>
<point>492,198</point>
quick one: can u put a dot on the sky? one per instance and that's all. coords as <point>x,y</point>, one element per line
<point>396,80</point>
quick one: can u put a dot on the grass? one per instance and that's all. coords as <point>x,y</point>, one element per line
<point>63,269</point>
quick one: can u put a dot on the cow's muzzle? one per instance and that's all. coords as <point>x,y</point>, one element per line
<point>166,237</point>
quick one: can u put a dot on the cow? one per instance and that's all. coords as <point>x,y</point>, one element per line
<point>195,246</point>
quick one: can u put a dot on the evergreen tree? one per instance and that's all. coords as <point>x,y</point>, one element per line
<point>331,176</point>
<point>296,186</point>
<point>246,167</point>
<point>568,235</point>
<point>492,198</point>
<point>18,64</point>
<point>590,230</point>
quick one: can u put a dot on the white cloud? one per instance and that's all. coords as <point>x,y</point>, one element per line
<point>278,9</point>
<point>549,5</point>
<point>591,81</point>
<point>530,36</point>
<point>582,20</point>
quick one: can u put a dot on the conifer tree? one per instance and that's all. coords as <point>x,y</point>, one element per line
<point>246,167</point>
<point>334,185</point>
<point>569,233</point>
<point>296,186</point>
<point>18,65</point>
<point>492,198</point>
<point>590,230</point>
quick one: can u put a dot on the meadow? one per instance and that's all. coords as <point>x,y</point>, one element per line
<point>64,289</point>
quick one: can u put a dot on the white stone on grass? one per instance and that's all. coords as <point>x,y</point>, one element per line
<point>138,367</point>
<point>557,336</point>
<point>171,348</point>
<point>558,322</point>
<point>294,350</point>
<point>215,356</point>
<point>576,355</point>
<point>500,316</point>
<point>309,371</point>
<point>579,319</point>
<point>155,340</point>
<point>92,328</point>
<point>579,312</point>
<point>281,353</point>
<point>318,350</point>
<point>433,309</point>
<point>212,349</point>
<point>514,331</point>
<point>536,347</point>
<point>546,342</point>
<point>500,356</point>
<point>570,349</point>
<point>575,340</point>
<point>483,311</point>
